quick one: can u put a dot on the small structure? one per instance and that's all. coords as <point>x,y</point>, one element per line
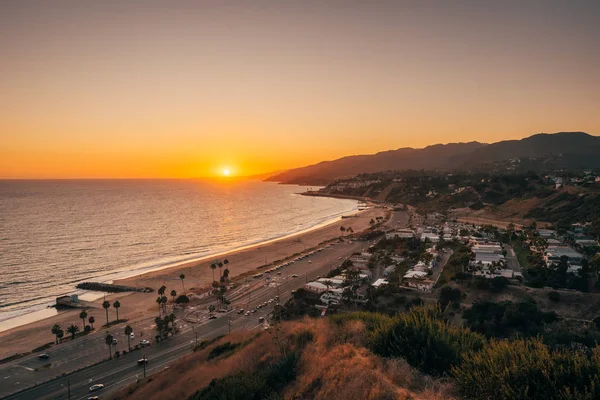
<point>379,282</point>
<point>315,287</point>
<point>70,301</point>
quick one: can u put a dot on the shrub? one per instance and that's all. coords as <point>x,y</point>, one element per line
<point>221,349</point>
<point>425,340</point>
<point>554,296</point>
<point>527,369</point>
<point>182,299</point>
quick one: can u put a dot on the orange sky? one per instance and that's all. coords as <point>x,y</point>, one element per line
<point>142,89</point>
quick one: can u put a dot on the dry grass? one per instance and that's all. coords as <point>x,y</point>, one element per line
<point>334,365</point>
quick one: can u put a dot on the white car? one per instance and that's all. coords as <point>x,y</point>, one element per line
<point>294,276</point>
<point>96,387</point>
<point>145,342</point>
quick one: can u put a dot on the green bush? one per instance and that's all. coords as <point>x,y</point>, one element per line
<point>527,369</point>
<point>425,340</point>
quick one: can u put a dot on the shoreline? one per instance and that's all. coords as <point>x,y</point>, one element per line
<point>139,305</point>
<point>44,311</point>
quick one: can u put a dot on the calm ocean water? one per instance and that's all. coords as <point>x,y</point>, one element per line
<point>54,234</point>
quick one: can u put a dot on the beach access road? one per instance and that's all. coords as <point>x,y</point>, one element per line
<point>85,355</point>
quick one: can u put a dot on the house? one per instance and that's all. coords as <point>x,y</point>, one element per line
<point>432,237</point>
<point>379,282</point>
<point>555,253</point>
<point>387,271</point>
<point>333,282</point>
<point>316,287</point>
<point>417,280</point>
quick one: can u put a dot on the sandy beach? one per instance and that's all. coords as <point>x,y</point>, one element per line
<point>139,305</point>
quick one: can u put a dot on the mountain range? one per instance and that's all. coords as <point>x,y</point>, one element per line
<point>556,150</point>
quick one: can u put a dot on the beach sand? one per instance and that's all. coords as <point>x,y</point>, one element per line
<point>138,305</point>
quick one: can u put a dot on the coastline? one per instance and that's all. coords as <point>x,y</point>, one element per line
<point>25,337</point>
<point>45,310</point>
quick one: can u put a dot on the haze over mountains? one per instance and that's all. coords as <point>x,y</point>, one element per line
<point>562,149</point>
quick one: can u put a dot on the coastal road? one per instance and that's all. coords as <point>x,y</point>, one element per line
<point>87,351</point>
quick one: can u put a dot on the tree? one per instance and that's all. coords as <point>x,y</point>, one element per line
<point>106,306</point>
<point>109,341</point>
<point>162,290</point>
<point>55,330</point>
<point>83,316</point>
<point>510,231</point>
<point>173,294</point>
<point>220,265</point>
<point>449,295</point>
<point>73,329</point>
<point>163,301</point>
<point>372,221</point>
<point>117,305</point>
<point>91,320</point>
<point>342,229</point>
<point>211,308</point>
<point>328,283</point>
<point>159,302</point>
<point>554,296</point>
<point>183,299</point>
<point>213,266</point>
<point>128,332</point>
<point>60,334</point>
<point>182,277</point>
<point>225,262</point>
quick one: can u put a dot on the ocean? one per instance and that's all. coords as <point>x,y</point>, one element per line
<point>55,234</point>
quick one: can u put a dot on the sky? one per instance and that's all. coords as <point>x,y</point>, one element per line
<point>149,89</point>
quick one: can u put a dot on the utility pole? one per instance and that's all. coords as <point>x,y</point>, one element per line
<point>145,361</point>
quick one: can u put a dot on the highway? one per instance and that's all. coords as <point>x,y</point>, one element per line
<point>86,353</point>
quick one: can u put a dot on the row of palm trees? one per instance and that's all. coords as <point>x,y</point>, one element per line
<point>218,288</point>
<point>73,329</point>
<point>223,276</point>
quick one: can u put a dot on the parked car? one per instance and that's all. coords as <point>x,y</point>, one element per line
<point>142,361</point>
<point>44,356</point>
<point>93,398</point>
<point>144,343</point>
<point>294,276</point>
<point>212,317</point>
<point>115,341</point>
<point>261,319</point>
<point>96,387</point>
<point>247,313</point>
<point>240,311</point>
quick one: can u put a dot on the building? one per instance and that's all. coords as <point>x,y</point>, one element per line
<point>387,271</point>
<point>333,282</point>
<point>432,237</point>
<point>418,280</point>
<point>379,282</point>
<point>316,287</point>
<point>555,253</point>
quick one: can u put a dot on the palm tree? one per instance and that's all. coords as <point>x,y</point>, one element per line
<point>162,290</point>
<point>173,294</point>
<point>116,305</point>
<point>182,277</point>
<point>163,301</point>
<point>55,330</point>
<point>91,320</point>
<point>220,265</point>
<point>128,332</point>
<point>60,334</point>
<point>159,301</point>
<point>342,229</point>
<point>73,329</point>
<point>213,266</point>
<point>109,341</point>
<point>83,316</point>
<point>225,262</point>
<point>106,306</point>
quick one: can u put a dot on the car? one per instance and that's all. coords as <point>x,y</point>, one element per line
<point>212,317</point>
<point>142,361</point>
<point>115,341</point>
<point>253,310</point>
<point>294,276</point>
<point>221,310</point>
<point>44,356</point>
<point>145,343</point>
<point>93,398</point>
<point>240,311</point>
<point>247,313</point>
<point>96,387</point>
<point>132,336</point>
<point>279,273</point>
<point>261,319</point>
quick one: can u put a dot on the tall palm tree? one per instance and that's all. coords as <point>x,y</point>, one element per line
<point>128,332</point>
<point>55,330</point>
<point>91,320</point>
<point>159,301</point>
<point>109,341</point>
<point>220,265</point>
<point>173,294</point>
<point>162,290</point>
<point>83,316</point>
<point>225,262</point>
<point>73,329</point>
<point>106,306</point>
<point>117,305</point>
<point>182,277</point>
<point>163,301</point>
<point>213,266</point>
<point>60,334</point>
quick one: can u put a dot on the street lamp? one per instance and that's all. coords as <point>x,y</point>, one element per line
<point>68,388</point>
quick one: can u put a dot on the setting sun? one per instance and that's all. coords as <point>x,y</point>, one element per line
<point>226,172</point>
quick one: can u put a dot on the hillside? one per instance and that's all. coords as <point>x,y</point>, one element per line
<point>307,359</point>
<point>561,150</point>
